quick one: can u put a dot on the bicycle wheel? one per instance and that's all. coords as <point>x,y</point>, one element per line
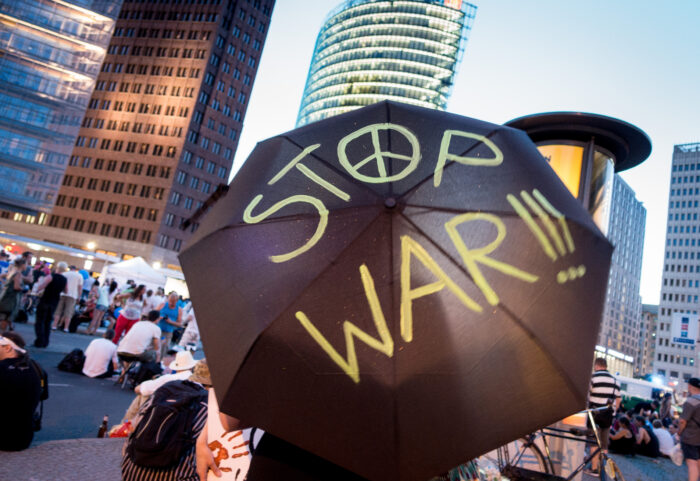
<point>521,453</point>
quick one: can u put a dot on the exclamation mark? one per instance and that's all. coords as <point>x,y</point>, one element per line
<point>543,209</point>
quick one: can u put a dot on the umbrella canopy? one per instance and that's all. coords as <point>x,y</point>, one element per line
<point>398,290</point>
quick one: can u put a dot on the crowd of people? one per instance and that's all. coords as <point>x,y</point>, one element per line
<point>646,428</point>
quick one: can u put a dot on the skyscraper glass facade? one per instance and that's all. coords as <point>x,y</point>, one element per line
<point>50,55</point>
<point>373,50</point>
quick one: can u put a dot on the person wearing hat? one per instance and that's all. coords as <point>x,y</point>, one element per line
<point>689,429</point>
<point>182,365</point>
<point>20,386</point>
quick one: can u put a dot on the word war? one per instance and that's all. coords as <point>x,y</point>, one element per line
<point>474,261</point>
<point>359,171</point>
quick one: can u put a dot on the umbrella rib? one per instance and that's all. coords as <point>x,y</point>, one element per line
<point>505,309</point>
<point>420,183</point>
<point>332,167</point>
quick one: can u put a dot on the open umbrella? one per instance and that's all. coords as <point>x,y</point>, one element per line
<point>398,290</point>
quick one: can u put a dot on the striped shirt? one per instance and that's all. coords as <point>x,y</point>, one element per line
<point>184,470</point>
<point>604,389</point>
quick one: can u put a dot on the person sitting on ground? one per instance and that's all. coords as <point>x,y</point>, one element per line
<point>101,357</point>
<point>185,469</point>
<point>665,438</point>
<point>182,365</point>
<point>142,342</point>
<point>647,442</point>
<point>20,385</point>
<point>622,441</point>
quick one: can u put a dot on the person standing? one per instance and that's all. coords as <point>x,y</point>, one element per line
<point>66,304</point>
<point>20,385</point>
<point>171,317</point>
<point>101,306</point>
<point>604,392</point>
<point>52,286</point>
<point>132,303</point>
<point>11,293</point>
<point>665,409</point>
<point>689,429</point>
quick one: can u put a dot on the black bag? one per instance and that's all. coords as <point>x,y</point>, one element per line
<point>44,379</point>
<point>165,431</point>
<point>146,372</point>
<point>21,316</point>
<point>73,362</point>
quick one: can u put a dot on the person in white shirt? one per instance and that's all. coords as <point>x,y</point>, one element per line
<point>665,438</point>
<point>182,365</point>
<point>66,305</point>
<point>152,301</point>
<point>101,357</point>
<point>142,342</point>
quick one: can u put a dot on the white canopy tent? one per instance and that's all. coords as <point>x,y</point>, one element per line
<point>136,269</point>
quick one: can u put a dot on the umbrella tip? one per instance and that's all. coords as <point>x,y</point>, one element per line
<point>390,202</point>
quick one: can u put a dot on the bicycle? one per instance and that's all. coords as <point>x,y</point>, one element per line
<point>530,463</point>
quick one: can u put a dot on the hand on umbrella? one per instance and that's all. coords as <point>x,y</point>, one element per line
<point>205,458</point>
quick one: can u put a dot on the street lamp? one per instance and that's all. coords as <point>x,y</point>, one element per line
<point>585,150</point>
<point>91,245</point>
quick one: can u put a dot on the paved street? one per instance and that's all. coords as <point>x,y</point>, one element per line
<point>67,449</point>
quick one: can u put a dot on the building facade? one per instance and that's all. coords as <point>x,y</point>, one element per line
<point>620,328</point>
<point>161,128</point>
<point>681,275</point>
<point>647,340</point>
<point>50,56</point>
<point>373,50</point>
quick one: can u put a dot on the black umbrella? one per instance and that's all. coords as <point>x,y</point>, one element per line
<point>398,290</point>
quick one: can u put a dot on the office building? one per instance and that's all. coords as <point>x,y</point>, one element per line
<point>618,339</point>
<point>50,55</point>
<point>647,340</point>
<point>373,50</point>
<point>161,128</point>
<point>677,361</point>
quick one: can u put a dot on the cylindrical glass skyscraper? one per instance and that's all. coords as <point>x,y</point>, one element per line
<point>373,50</point>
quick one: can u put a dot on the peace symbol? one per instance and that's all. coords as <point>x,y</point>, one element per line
<point>379,156</point>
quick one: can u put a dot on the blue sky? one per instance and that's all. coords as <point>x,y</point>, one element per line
<point>634,60</point>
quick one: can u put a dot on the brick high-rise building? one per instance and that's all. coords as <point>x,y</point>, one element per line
<point>162,126</point>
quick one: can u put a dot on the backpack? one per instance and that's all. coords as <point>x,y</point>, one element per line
<point>164,432</point>
<point>73,361</point>
<point>147,371</point>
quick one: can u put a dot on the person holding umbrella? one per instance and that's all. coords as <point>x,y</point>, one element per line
<point>274,458</point>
